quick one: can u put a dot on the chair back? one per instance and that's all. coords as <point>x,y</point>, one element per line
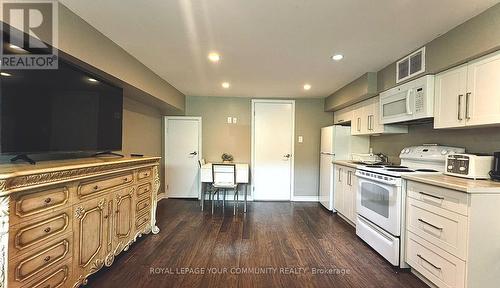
<point>201,162</point>
<point>224,174</point>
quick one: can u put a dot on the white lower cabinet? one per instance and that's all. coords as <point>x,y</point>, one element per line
<point>346,188</point>
<point>439,267</point>
<point>453,237</point>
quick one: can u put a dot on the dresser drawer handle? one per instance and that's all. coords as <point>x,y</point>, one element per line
<point>47,230</point>
<point>46,259</point>
<point>47,200</point>
<point>432,225</point>
<point>96,187</point>
<point>430,195</point>
<point>428,262</point>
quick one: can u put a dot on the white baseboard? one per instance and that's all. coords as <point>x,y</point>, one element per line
<point>162,196</point>
<point>241,197</point>
<point>305,199</point>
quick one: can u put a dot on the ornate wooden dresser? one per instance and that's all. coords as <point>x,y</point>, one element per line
<point>62,221</point>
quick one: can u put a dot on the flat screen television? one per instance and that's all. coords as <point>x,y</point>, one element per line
<point>61,110</point>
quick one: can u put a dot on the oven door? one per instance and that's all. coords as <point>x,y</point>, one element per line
<point>397,106</point>
<point>380,203</point>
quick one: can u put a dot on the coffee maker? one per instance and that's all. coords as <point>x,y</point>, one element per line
<point>495,173</point>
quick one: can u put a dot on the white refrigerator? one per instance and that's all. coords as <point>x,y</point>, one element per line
<point>336,144</point>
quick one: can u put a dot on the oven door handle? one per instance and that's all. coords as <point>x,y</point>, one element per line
<point>368,179</point>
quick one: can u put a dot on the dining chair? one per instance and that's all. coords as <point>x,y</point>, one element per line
<point>207,187</point>
<point>224,179</point>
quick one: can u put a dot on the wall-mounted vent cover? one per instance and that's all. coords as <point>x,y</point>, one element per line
<point>410,65</point>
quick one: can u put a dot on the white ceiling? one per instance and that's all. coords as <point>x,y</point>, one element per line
<point>271,48</point>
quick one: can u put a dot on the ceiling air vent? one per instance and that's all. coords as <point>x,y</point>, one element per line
<point>411,65</point>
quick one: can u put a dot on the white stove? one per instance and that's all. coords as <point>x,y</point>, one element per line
<point>381,197</point>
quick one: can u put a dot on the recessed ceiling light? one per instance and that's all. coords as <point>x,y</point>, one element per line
<point>338,57</point>
<point>225,85</point>
<point>214,57</point>
<point>92,80</point>
<point>5,74</point>
<point>307,87</point>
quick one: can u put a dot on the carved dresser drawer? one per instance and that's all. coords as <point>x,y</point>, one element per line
<point>144,174</point>
<point>59,277</point>
<point>27,204</point>
<point>40,230</point>
<point>143,190</point>
<point>86,189</point>
<point>143,205</point>
<point>142,219</point>
<point>34,264</point>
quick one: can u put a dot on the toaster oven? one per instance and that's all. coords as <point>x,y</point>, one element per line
<point>469,166</point>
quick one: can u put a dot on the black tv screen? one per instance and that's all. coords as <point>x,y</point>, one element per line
<point>59,110</point>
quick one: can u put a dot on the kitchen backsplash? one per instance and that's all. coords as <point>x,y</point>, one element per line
<point>475,140</point>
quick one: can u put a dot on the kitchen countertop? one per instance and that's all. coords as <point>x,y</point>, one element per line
<point>347,163</point>
<point>456,183</point>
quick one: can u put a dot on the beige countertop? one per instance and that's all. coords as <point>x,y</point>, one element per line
<point>11,170</point>
<point>347,163</point>
<point>457,183</point>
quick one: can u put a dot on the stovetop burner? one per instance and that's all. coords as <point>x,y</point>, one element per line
<point>400,170</point>
<point>426,170</point>
<point>396,166</point>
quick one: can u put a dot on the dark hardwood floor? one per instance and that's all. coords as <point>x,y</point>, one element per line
<point>284,243</point>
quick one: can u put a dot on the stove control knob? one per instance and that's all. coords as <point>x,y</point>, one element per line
<point>444,152</point>
<point>408,150</point>
<point>462,168</point>
<point>450,167</point>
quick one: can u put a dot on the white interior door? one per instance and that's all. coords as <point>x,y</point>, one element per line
<point>272,153</point>
<point>182,152</point>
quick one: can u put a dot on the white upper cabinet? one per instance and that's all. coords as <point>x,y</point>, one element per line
<point>342,115</point>
<point>469,95</point>
<point>450,89</point>
<point>483,90</point>
<point>366,120</point>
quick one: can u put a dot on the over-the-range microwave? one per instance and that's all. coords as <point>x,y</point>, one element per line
<point>410,101</point>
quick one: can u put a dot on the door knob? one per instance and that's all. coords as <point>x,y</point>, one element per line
<point>193,153</point>
<point>287,156</point>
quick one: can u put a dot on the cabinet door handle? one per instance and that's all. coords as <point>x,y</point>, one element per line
<point>428,262</point>
<point>359,124</point>
<point>430,195</point>
<point>432,225</point>
<point>467,108</point>
<point>459,116</point>
<point>340,175</point>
